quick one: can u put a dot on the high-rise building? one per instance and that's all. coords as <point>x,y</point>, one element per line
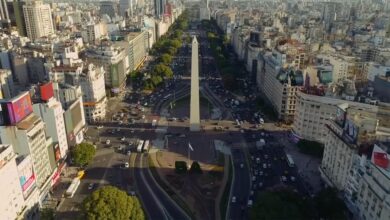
<point>12,201</point>
<point>6,84</point>
<point>109,8</point>
<point>38,19</point>
<point>18,18</point>
<point>126,8</point>
<point>52,113</point>
<point>25,131</point>
<point>94,93</point>
<point>4,16</point>
<point>159,8</point>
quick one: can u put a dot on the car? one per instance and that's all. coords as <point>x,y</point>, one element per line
<point>108,141</point>
<point>91,186</point>
<point>123,139</point>
<point>283,178</point>
<point>100,126</point>
<point>241,165</point>
<point>250,203</point>
<point>261,173</point>
<point>292,179</point>
<point>128,153</point>
<point>234,199</point>
<point>132,131</point>
<point>127,165</point>
<point>264,165</point>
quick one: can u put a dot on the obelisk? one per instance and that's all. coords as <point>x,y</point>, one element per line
<point>194,105</point>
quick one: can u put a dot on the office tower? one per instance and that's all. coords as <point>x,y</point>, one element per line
<point>159,8</point>
<point>109,8</point>
<point>4,16</point>
<point>126,8</point>
<point>38,18</point>
<point>18,17</point>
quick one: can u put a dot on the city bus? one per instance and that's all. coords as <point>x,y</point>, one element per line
<point>139,147</point>
<point>146,146</point>
<point>72,188</point>
<point>290,161</point>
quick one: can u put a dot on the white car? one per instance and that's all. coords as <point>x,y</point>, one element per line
<point>123,139</point>
<point>100,126</point>
<point>108,141</point>
<point>242,165</point>
<point>127,165</point>
<point>234,199</point>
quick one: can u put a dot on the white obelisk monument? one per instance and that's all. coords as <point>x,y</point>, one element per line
<point>194,105</point>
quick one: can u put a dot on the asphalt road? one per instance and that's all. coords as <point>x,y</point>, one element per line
<point>241,185</point>
<point>157,203</point>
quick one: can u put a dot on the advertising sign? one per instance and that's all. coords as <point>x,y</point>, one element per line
<point>19,108</point>
<point>350,131</point>
<point>340,117</point>
<point>57,152</point>
<point>26,176</point>
<point>46,91</point>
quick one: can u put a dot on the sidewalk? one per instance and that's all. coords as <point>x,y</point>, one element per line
<point>222,189</point>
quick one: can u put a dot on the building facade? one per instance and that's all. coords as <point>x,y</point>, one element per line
<point>38,19</point>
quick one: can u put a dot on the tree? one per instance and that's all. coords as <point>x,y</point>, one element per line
<point>180,167</point>
<point>195,168</point>
<point>46,214</point>
<point>166,58</point>
<point>162,70</point>
<point>111,203</point>
<point>283,204</point>
<point>329,205</point>
<point>83,153</point>
<point>176,43</point>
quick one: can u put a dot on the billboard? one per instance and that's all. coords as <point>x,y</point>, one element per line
<point>380,157</point>
<point>19,107</point>
<point>26,176</point>
<point>46,91</point>
<point>57,152</point>
<point>350,131</point>
<point>340,116</point>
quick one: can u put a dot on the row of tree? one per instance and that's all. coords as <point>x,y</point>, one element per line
<point>219,45</point>
<point>165,48</point>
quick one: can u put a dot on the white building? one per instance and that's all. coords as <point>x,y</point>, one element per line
<point>313,112</point>
<point>375,69</point>
<point>6,84</point>
<point>94,93</point>
<point>52,114</point>
<point>279,84</point>
<point>12,201</point>
<point>38,19</point>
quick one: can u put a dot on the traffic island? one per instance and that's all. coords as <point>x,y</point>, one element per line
<point>198,191</point>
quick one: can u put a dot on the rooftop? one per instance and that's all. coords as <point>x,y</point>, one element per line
<point>29,122</point>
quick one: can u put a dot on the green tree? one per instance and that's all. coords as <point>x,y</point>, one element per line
<point>180,167</point>
<point>281,205</point>
<point>46,214</point>
<point>111,203</point>
<point>162,70</point>
<point>166,58</point>
<point>83,153</point>
<point>329,205</point>
<point>195,168</point>
<point>175,43</point>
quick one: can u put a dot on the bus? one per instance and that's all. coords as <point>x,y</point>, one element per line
<point>290,161</point>
<point>146,146</point>
<point>72,188</point>
<point>139,147</point>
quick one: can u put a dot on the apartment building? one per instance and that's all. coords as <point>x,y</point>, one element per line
<point>367,192</point>
<point>12,201</point>
<point>38,19</point>
<point>94,93</point>
<point>52,113</point>
<point>279,84</point>
<point>314,110</point>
